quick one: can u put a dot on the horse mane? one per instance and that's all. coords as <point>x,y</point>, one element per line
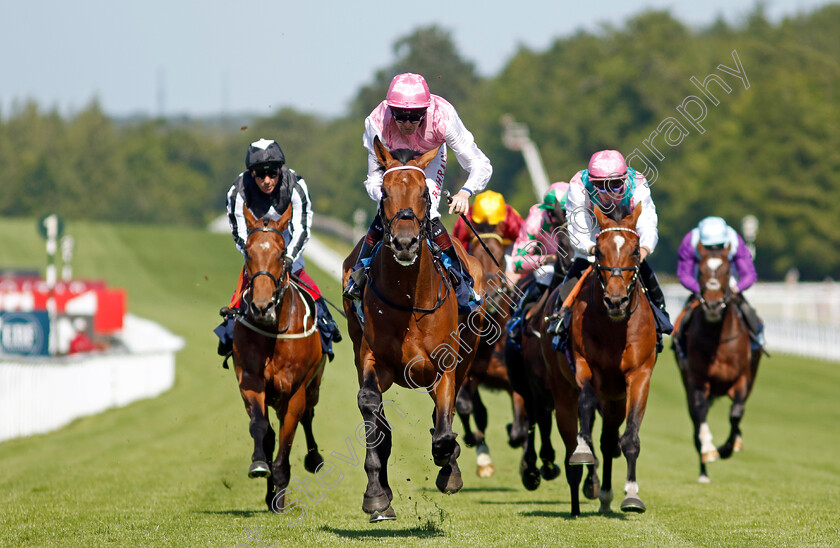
<point>618,212</point>
<point>402,155</point>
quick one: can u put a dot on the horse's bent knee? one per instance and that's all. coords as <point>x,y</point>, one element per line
<point>369,400</point>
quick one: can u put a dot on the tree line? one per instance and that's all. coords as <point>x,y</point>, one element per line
<point>725,120</point>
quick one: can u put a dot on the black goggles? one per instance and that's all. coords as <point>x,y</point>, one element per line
<point>412,116</point>
<point>266,171</point>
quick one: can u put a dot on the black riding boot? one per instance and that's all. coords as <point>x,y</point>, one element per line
<point>358,276</point>
<point>657,300</point>
<point>754,323</point>
<point>468,301</point>
<point>327,327</point>
<point>558,326</point>
<point>516,322</point>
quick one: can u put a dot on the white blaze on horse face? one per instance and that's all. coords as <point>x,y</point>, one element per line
<point>713,264</point>
<point>619,241</point>
<point>265,245</point>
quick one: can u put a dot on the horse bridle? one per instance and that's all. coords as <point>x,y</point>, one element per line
<point>406,212</point>
<point>728,295</point>
<point>279,288</point>
<point>616,271</point>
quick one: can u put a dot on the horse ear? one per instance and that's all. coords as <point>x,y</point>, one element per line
<point>601,216</point>
<point>427,158</point>
<point>250,220</point>
<point>637,211</point>
<point>284,219</point>
<point>727,249</point>
<point>382,153</point>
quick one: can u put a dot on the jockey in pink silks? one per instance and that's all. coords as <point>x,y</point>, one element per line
<point>615,188</point>
<point>412,118</point>
<point>538,249</point>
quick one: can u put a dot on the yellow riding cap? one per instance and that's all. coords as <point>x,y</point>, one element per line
<point>489,208</point>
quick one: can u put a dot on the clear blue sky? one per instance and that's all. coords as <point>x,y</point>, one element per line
<point>213,56</point>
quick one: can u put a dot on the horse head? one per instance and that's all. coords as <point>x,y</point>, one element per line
<point>565,250</point>
<point>714,273</point>
<point>492,236</point>
<point>617,259</point>
<point>265,263</point>
<point>404,207</point>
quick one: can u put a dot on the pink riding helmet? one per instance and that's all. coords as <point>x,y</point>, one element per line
<point>408,90</point>
<point>607,164</point>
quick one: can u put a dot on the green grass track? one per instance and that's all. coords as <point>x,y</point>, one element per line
<point>172,471</point>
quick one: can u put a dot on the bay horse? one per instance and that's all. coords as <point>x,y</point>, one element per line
<point>277,357</point>
<point>612,345</point>
<point>719,359</point>
<point>488,368</point>
<point>410,332</point>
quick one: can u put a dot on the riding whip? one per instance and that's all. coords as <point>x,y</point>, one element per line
<point>298,281</point>
<point>466,219</point>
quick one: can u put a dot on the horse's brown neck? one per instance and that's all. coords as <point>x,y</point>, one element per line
<point>416,286</point>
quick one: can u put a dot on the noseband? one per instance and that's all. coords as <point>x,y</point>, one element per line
<point>279,288</point>
<point>616,271</point>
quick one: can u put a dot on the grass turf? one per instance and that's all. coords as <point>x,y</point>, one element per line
<point>171,471</point>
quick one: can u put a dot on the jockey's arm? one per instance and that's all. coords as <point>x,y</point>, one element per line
<point>686,264</point>
<point>744,266</point>
<point>646,226</point>
<point>469,156</point>
<point>301,222</point>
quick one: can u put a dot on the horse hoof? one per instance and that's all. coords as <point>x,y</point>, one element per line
<point>738,446</point>
<point>373,505</point>
<point>591,486</point>
<point>259,469</point>
<point>388,514</point>
<point>580,458</point>
<point>531,479</point>
<point>485,467</point>
<point>633,504</point>
<point>485,471</point>
<point>448,483</point>
<point>704,479</point>
<point>710,456</point>
<point>312,461</point>
<point>549,471</point>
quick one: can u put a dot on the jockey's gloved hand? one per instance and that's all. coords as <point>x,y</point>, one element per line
<point>289,263</point>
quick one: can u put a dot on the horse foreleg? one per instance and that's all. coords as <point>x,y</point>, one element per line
<point>699,408</point>
<point>464,407</point>
<point>738,393</point>
<point>613,415</point>
<point>518,429</point>
<point>638,386</point>
<point>586,408</point>
<point>549,470</point>
<point>377,498</point>
<point>281,468</point>
<point>252,389</point>
<point>566,413</point>
<point>528,467</point>
<point>445,448</point>
<point>313,458</point>
<point>484,464</point>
